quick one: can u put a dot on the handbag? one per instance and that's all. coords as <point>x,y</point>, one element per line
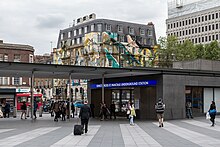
<point>207,115</point>
<point>213,111</point>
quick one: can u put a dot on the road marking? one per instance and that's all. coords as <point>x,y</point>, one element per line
<point>5,130</point>
<point>81,141</point>
<point>135,136</point>
<point>203,125</point>
<point>197,138</point>
<point>20,138</point>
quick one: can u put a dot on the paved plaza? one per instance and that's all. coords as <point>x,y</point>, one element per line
<point>44,132</point>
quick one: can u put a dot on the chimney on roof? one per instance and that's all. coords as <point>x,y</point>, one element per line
<point>1,41</point>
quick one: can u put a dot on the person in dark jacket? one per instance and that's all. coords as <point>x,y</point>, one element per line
<point>35,108</point>
<point>7,109</point>
<point>212,113</point>
<point>84,114</point>
<point>112,110</point>
<point>23,110</point>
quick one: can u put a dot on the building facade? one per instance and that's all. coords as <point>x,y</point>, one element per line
<point>43,85</point>
<point>107,43</point>
<point>9,86</point>
<point>197,21</point>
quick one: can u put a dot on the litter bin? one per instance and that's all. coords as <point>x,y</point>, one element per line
<point>28,111</point>
<point>14,111</point>
<point>40,111</point>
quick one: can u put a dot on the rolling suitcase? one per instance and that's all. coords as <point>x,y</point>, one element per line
<point>78,130</point>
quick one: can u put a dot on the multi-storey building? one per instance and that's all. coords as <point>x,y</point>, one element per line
<point>104,43</point>
<point>44,85</point>
<point>198,21</point>
<point>14,53</point>
<point>107,43</point>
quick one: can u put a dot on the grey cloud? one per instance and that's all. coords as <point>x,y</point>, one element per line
<point>50,21</point>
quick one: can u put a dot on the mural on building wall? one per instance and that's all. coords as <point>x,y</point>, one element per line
<point>103,50</point>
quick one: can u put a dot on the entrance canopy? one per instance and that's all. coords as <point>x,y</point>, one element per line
<point>12,69</point>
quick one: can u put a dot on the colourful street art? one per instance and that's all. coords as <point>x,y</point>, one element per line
<point>103,50</point>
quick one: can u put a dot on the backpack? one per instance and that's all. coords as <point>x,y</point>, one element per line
<point>159,107</point>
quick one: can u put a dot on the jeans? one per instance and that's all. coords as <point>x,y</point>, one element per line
<point>189,112</point>
<point>131,120</point>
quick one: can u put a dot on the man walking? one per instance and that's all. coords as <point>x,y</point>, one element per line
<point>159,107</point>
<point>84,114</point>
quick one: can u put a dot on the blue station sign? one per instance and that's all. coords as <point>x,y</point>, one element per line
<point>126,84</point>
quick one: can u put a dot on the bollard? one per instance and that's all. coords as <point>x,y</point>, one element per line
<point>40,111</point>
<point>14,111</point>
<point>28,111</point>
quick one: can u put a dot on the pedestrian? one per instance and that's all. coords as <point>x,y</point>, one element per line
<point>101,114</point>
<point>51,109</point>
<point>132,115</point>
<point>84,114</point>
<point>189,109</point>
<point>7,109</point>
<point>35,108</point>
<point>92,107</point>
<point>56,109</point>
<point>128,109</point>
<point>160,107</point>
<point>73,108</point>
<point>63,111</point>
<point>23,110</point>
<point>112,110</point>
<point>212,113</point>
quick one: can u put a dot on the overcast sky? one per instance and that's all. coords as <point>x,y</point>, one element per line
<point>37,22</point>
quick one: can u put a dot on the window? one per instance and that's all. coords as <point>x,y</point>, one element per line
<point>216,15</point>
<point>202,18</point>
<point>180,23</point>
<point>99,27</point>
<point>189,31</point>
<point>183,23</point>
<point>120,28</point>
<point>195,40</point>
<point>195,30</point>
<point>192,21</point>
<point>121,38</point>
<point>195,20</point>
<point>69,34</point>
<point>168,26</point>
<point>206,18</point>
<point>131,30</point>
<point>209,38</point>
<point>16,80</point>
<point>92,28</point>
<point>177,24</point>
<point>213,37</point>
<point>186,22</point>
<point>209,27</point>
<point>216,26</point>
<point>216,36</point>
<point>206,38</point>
<point>73,42</point>
<point>85,29</point>
<point>171,26</point>
<point>62,35</point>
<point>189,21</point>
<point>202,39</point>
<point>17,58</point>
<point>1,57</point>
<point>213,16</point>
<point>199,29</point>
<point>206,28</point>
<point>192,31</point>
<point>109,27</point>
<point>31,59</point>
<point>142,32</point>
<point>202,29</point>
<point>213,27</point>
<point>74,33</point>
<point>149,32</point>
<point>5,57</point>
<point>174,25</point>
<point>199,19</point>
<point>186,32</point>
<point>80,31</point>
<point>78,40</point>
<point>1,80</point>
